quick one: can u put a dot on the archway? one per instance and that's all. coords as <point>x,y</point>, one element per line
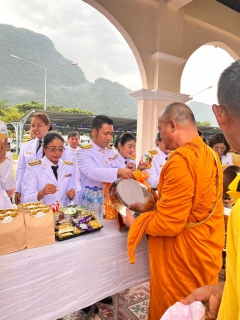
<point>200,76</point>
<point>126,36</point>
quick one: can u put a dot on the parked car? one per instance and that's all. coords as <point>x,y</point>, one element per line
<point>13,146</point>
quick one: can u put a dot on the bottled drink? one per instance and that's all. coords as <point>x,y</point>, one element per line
<point>85,195</point>
<point>89,199</point>
<point>100,208</point>
<point>95,201</point>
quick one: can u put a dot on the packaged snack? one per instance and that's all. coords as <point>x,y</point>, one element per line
<point>65,235</point>
<point>95,224</point>
<point>147,158</point>
<point>56,206</point>
<point>32,204</point>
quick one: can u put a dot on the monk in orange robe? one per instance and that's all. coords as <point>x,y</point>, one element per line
<point>186,230</point>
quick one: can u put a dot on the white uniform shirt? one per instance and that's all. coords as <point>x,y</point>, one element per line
<point>37,176</point>
<point>28,154</point>
<point>7,182</point>
<point>71,156</point>
<point>121,161</point>
<point>96,165</point>
<point>154,172</point>
<point>227,159</point>
<point>10,159</point>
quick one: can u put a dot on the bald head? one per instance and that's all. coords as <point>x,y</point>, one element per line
<point>180,113</point>
<point>229,88</point>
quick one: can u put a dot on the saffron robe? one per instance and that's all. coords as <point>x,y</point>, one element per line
<point>182,259</point>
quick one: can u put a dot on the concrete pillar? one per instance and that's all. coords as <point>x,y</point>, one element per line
<point>150,105</point>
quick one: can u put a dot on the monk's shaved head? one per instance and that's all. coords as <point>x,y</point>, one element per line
<point>180,113</point>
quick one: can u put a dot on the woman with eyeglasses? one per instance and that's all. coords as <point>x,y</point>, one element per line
<point>50,179</point>
<point>32,150</point>
<point>219,144</point>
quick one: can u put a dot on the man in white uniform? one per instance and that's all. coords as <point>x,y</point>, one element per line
<point>71,152</point>
<point>7,181</point>
<point>159,159</point>
<point>97,161</point>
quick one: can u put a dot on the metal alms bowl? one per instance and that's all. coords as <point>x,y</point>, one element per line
<point>229,174</point>
<point>123,193</point>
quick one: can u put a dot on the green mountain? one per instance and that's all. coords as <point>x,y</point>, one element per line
<point>68,87</point>
<point>203,112</point>
<point>21,82</point>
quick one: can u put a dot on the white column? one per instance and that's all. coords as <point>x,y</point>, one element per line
<point>150,105</point>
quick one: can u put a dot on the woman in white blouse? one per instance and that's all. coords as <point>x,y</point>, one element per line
<point>50,179</point>
<point>220,145</point>
<point>125,145</point>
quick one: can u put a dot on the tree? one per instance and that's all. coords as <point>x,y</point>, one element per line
<point>3,106</point>
<point>204,123</point>
<point>12,114</point>
<point>27,106</point>
<point>35,105</point>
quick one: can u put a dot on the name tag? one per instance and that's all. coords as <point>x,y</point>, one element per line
<point>68,175</point>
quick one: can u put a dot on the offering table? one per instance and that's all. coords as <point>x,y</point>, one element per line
<point>52,281</point>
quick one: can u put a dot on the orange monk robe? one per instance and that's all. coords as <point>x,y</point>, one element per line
<point>182,259</point>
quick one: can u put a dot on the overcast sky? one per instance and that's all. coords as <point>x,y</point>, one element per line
<point>81,34</point>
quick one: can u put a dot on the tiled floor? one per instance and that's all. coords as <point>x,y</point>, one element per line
<point>132,304</point>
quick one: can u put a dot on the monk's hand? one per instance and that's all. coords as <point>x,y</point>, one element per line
<point>138,207</point>
<point>70,194</point>
<point>131,165</point>
<point>210,296</point>
<point>129,219</point>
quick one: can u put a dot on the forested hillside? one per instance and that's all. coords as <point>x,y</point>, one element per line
<point>67,86</point>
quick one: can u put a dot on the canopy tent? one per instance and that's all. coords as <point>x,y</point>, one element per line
<point>66,122</point>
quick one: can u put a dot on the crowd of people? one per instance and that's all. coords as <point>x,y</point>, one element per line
<point>186,228</point>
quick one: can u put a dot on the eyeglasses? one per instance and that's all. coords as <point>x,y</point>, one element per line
<point>54,149</point>
<point>219,148</point>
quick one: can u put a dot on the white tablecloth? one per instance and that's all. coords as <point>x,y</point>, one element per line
<point>52,281</point>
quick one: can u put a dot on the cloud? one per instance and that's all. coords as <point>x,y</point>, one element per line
<point>80,33</point>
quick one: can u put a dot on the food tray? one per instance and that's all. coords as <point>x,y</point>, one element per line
<point>77,235</point>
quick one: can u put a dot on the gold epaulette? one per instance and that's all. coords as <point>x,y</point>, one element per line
<point>68,162</point>
<point>109,147</point>
<point>153,152</point>
<point>88,146</point>
<point>33,163</point>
